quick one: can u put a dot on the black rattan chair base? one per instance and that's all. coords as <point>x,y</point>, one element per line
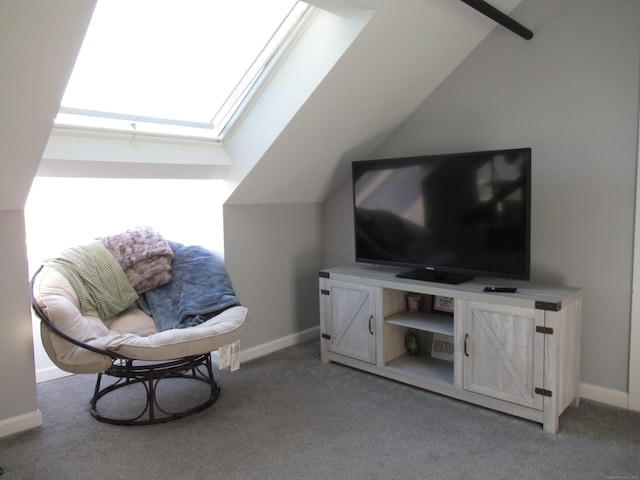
<point>127,373</point>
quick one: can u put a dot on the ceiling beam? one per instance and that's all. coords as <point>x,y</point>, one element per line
<point>501,18</point>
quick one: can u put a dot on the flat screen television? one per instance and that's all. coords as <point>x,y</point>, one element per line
<point>446,218</point>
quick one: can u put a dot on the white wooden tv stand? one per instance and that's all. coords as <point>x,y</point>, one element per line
<point>518,353</point>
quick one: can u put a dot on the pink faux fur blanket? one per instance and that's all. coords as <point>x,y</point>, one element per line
<point>144,255</point>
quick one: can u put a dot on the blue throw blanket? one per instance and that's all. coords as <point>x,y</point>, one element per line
<point>200,289</point>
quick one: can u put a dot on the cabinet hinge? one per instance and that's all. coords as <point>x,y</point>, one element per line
<point>325,292</point>
<point>326,336</point>
<point>550,306</point>
<point>323,274</point>
<point>545,330</point>
<point>544,392</point>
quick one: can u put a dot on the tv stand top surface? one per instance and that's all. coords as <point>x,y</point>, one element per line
<point>386,277</point>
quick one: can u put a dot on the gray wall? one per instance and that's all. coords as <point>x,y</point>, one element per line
<point>273,253</point>
<point>571,94</point>
<point>38,45</point>
<point>17,370</point>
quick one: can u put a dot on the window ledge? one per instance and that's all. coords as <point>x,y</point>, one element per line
<point>93,153</point>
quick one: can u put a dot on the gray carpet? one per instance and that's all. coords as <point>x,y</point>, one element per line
<point>288,416</point>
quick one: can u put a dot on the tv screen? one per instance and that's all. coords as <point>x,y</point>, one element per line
<point>447,217</point>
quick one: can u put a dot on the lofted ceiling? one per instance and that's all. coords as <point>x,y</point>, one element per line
<point>359,69</point>
<point>39,42</point>
<point>400,54</point>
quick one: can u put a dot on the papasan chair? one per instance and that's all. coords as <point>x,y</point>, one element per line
<point>138,311</point>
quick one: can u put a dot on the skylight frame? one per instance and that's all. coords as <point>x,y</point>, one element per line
<point>70,118</point>
<point>250,84</point>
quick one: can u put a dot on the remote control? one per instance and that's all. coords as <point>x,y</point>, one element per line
<point>501,289</point>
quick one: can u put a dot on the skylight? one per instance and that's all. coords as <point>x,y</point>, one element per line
<point>173,67</point>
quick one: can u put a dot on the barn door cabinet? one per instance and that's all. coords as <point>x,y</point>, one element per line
<point>517,353</point>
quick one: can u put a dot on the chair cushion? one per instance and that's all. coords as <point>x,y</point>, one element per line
<point>131,334</point>
<point>223,329</point>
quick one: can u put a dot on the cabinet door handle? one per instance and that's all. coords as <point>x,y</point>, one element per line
<point>466,337</point>
<point>370,320</point>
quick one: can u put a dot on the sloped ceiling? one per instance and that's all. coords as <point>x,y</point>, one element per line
<point>394,54</point>
<point>39,41</point>
<point>403,51</point>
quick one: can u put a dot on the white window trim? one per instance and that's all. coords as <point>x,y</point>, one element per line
<point>222,122</point>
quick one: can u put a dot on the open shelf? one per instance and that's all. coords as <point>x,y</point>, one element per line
<point>424,321</point>
<point>424,368</point>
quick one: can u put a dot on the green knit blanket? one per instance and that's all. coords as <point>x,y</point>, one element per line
<point>97,278</point>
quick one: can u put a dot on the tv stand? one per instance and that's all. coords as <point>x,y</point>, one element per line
<point>517,353</point>
<point>433,276</point>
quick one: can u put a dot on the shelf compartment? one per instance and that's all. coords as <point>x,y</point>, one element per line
<point>424,321</point>
<point>423,367</point>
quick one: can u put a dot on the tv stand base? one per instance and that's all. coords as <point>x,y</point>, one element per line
<point>518,353</point>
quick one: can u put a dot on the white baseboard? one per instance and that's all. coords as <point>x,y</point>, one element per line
<point>279,344</point>
<point>51,373</point>
<point>20,423</point>
<point>274,345</point>
<point>615,398</point>
<point>607,396</point>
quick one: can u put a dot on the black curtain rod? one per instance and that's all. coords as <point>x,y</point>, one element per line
<point>497,16</point>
